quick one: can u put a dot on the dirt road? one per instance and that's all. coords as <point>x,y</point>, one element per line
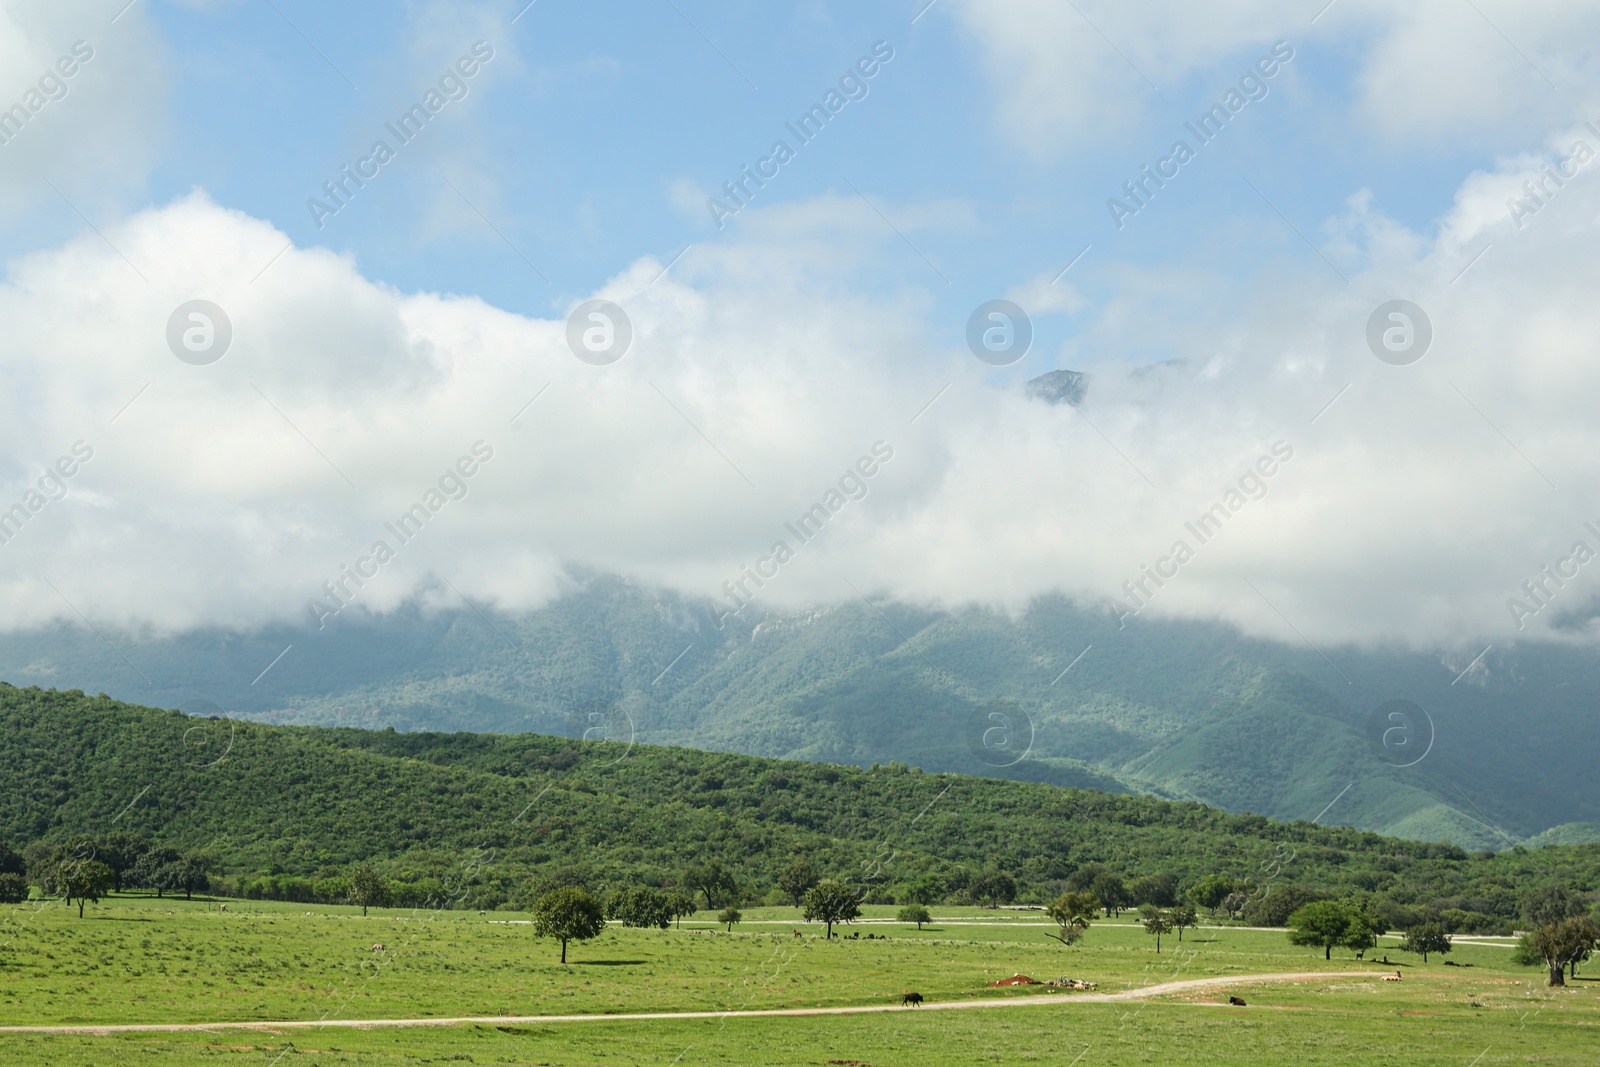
<point>1161,989</point>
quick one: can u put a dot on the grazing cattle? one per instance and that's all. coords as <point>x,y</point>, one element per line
<point>1239,1001</point>
<point>912,999</point>
<point>797,933</point>
<point>1395,977</point>
<point>224,907</point>
<point>379,947</point>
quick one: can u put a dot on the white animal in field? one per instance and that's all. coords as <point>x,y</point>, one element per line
<point>379,947</point>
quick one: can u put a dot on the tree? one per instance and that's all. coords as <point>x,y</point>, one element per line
<point>155,869</point>
<point>85,879</point>
<point>1210,891</point>
<point>914,913</point>
<point>1550,906</point>
<point>679,904</point>
<point>11,862</point>
<point>1083,878</point>
<point>1429,937</point>
<point>644,906</point>
<point>1157,922</point>
<point>712,880</point>
<point>121,852</point>
<point>997,887</point>
<point>1073,912</point>
<point>924,889</point>
<point>1158,889</point>
<point>13,888</point>
<point>1322,924</point>
<point>568,914</point>
<point>830,902</point>
<point>368,887</point>
<point>1110,892</point>
<point>730,916</point>
<point>191,873</point>
<point>1234,903</point>
<point>1274,907</point>
<point>796,878</point>
<point>1360,935</point>
<point>1184,916</point>
<point>1558,944</point>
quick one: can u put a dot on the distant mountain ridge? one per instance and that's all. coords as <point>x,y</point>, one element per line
<point>1186,710</point>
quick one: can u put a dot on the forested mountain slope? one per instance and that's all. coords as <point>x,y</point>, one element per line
<point>1179,709</point>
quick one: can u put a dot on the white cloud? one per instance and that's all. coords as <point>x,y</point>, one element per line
<point>1412,508</point>
<point>1425,72</point>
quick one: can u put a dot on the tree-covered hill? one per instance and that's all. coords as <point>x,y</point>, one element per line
<point>1185,710</point>
<point>299,800</point>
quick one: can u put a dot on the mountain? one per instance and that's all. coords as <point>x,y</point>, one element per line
<point>497,810</point>
<point>1480,750</point>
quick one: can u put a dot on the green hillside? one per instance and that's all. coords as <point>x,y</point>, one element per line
<point>299,800</point>
<point>1185,710</point>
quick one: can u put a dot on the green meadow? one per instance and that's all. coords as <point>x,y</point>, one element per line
<point>135,959</point>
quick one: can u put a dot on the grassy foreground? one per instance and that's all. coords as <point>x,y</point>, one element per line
<point>138,960</point>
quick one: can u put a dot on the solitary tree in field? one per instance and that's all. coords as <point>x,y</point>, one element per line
<point>1322,924</point>
<point>570,913</point>
<point>368,887</point>
<point>830,902</point>
<point>1156,921</point>
<point>85,879</point>
<point>1073,912</point>
<point>914,913</point>
<point>730,916</point>
<point>796,878</point>
<point>679,904</point>
<point>1184,916</point>
<point>1557,945</point>
<point>1429,937</point>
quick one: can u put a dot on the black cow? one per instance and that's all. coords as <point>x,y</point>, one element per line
<point>1236,1000</point>
<point>912,999</point>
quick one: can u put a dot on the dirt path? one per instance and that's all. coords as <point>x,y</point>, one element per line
<point>1161,989</point>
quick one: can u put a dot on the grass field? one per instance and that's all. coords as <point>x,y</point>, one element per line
<point>139,960</point>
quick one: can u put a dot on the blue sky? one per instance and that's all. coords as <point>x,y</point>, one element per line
<point>574,139</point>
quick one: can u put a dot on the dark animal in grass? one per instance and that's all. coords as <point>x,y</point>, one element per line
<point>912,999</point>
<point>1239,1001</point>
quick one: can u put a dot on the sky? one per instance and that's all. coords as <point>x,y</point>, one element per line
<point>1328,268</point>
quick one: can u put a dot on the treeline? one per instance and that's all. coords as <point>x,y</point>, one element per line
<point>474,820</point>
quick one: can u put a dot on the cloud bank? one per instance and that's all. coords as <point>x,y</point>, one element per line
<point>1419,500</point>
